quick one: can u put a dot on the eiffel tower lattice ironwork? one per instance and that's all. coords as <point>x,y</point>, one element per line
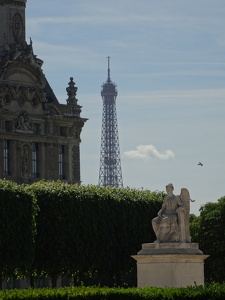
<point>110,173</point>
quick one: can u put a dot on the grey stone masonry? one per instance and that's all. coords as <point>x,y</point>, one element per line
<point>169,248</point>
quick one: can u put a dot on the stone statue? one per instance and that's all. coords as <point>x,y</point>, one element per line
<point>172,222</point>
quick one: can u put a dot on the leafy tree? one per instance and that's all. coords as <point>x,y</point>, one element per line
<point>209,232</point>
<point>194,228</point>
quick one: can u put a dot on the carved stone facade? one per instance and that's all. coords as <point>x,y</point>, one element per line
<point>39,137</point>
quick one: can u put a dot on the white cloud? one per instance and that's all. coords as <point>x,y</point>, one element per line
<point>149,151</point>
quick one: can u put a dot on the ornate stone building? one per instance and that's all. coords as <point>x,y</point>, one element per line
<point>39,137</point>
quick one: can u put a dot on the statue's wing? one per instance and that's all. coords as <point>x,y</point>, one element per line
<point>185,197</point>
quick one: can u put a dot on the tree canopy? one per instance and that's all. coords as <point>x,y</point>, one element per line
<point>208,231</point>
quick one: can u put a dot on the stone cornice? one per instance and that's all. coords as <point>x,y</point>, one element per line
<point>13,2</point>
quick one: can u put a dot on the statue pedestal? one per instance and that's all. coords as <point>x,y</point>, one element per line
<point>170,265</point>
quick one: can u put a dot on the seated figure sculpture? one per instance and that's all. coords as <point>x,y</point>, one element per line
<point>172,223</point>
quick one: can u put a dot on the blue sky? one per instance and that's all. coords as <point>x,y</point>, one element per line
<point>168,61</point>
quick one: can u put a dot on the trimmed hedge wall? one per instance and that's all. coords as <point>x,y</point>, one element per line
<point>213,291</point>
<point>18,211</point>
<point>87,232</point>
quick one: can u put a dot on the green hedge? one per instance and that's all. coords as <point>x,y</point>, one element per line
<point>213,291</point>
<point>86,232</point>
<point>18,210</point>
<point>90,232</point>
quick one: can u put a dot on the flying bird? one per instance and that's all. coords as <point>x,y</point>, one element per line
<point>200,164</point>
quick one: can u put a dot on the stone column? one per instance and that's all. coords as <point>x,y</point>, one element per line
<point>13,160</point>
<point>1,158</point>
<point>50,161</point>
<point>42,149</point>
<point>76,163</point>
<point>69,164</point>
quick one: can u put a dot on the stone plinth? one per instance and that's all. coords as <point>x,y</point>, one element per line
<point>170,265</point>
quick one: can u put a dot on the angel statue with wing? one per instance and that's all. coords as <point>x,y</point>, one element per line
<point>172,223</point>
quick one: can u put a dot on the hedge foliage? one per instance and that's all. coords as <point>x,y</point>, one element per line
<point>18,211</point>
<point>209,292</point>
<point>87,232</point>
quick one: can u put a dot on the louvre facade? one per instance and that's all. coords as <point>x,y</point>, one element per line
<point>39,137</point>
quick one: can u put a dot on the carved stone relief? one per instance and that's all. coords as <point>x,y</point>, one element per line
<point>25,154</point>
<point>23,122</point>
<point>75,131</point>
<point>25,163</point>
<point>17,27</point>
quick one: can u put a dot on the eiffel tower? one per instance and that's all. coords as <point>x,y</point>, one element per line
<point>110,173</point>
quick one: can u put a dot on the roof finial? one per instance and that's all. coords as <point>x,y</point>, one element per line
<point>109,69</point>
<point>71,92</point>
